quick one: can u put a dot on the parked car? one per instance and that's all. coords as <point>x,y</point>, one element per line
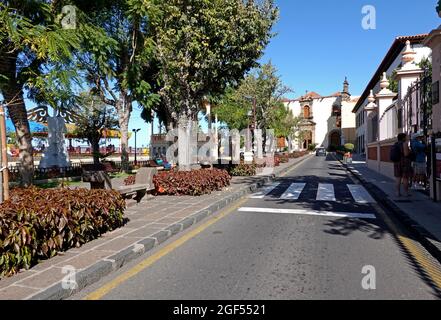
<point>320,152</point>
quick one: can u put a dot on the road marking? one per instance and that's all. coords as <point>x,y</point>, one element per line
<point>412,247</point>
<point>325,192</point>
<point>360,194</point>
<point>415,249</point>
<point>265,191</point>
<point>311,213</point>
<point>102,291</point>
<point>293,192</point>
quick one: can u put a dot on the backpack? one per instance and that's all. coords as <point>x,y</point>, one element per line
<point>396,152</point>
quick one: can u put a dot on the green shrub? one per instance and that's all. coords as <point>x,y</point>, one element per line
<point>244,170</point>
<point>193,183</point>
<point>37,223</point>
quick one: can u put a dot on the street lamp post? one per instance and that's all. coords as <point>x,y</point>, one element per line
<point>135,131</point>
<point>151,135</point>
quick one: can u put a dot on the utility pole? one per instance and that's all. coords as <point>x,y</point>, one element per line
<point>4,156</point>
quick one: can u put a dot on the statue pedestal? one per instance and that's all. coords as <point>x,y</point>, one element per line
<point>56,154</point>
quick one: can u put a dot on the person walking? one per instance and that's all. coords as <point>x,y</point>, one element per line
<point>400,154</point>
<point>419,165</point>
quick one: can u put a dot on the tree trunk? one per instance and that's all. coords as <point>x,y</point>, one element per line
<point>13,95</point>
<point>124,109</point>
<point>95,143</point>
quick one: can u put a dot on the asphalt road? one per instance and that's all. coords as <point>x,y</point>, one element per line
<point>284,245</point>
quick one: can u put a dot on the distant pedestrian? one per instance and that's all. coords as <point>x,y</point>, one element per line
<point>400,154</point>
<point>420,164</point>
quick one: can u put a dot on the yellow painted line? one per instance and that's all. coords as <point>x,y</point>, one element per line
<point>101,292</point>
<point>415,249</point>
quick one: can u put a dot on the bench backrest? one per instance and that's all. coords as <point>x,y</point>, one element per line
<point>116,183</point>
<point>145,175</point>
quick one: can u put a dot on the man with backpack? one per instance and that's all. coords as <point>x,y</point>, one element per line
<point>401,155</point>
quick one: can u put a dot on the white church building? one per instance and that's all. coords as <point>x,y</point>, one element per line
<point>326,121</point>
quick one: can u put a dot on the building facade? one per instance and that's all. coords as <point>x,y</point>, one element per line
<point>326,121</point>
<point>391,63</point>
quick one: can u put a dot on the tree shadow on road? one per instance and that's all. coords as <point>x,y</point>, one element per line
<point>345,226</point>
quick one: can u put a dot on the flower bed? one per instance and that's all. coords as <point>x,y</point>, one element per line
<point>193,183</point>
<point>37,223</point>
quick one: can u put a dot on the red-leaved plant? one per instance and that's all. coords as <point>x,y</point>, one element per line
<point>35,223</point>
<point>193,183</point>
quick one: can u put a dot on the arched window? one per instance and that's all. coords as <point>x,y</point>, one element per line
<point>306,112</point>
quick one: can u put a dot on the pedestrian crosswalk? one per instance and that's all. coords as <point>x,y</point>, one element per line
<point>326,192</point>
<point>293,192</point>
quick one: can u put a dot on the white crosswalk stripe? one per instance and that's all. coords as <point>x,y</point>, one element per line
<point>360,194</point>
<point>293,192</point>
<point>264,192</point>
<point>354,215</point>
<point>326,192</point>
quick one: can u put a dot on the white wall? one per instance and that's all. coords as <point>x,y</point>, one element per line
<point>321,109</point>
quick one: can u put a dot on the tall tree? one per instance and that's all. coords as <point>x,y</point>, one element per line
<point>94,117</point>
<point>204,46</point>
<point>115,62</point>
<point>33,45</point>
<point>262,89</point>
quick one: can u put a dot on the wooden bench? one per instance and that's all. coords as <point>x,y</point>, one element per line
<point>143,184</point>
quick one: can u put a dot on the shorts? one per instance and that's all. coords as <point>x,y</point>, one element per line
<point>419,168</point>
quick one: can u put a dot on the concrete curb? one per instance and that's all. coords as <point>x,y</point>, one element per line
<point>104,267</point>
<point>413,227</point>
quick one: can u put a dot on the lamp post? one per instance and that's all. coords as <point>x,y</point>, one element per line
<point>151,135</point>
<point>135,131</point>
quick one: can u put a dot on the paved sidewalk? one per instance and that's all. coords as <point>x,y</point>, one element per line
<point>151,222</point>
<point>422,211</point>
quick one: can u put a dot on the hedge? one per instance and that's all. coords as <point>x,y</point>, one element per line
<point>193,183</point>
<point>36,224</point>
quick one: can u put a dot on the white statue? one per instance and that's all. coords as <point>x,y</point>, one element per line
<point>56,154</point>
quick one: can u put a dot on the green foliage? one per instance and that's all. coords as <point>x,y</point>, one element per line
<point>193,183</point>
<point>243,170</point>
<point>93,118</point>
<point>204,47</point>
<point>393,82</point>
<point>38,223</point>
<point>312,146</point>
<point>438,7</point>
<point>264,88</point>
<point>233,110</point>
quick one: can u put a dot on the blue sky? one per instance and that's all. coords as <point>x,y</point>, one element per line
<point>319,42</point>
